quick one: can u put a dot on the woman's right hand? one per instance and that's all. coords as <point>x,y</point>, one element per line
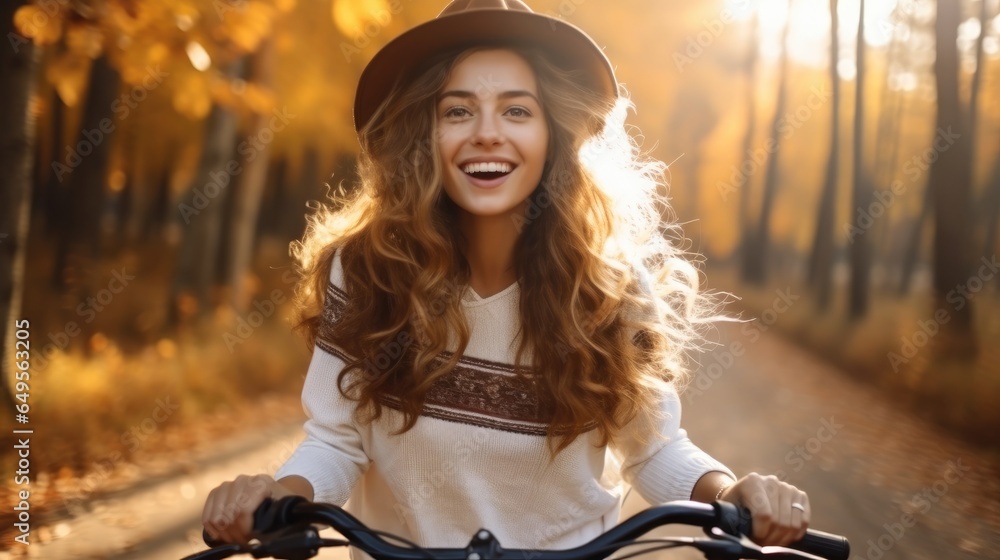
<point>228,513</point>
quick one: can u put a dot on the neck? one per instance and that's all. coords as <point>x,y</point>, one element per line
<point>489,249</point>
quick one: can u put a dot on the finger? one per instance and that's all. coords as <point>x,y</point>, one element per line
<point>779,534</point>
<point>804,516</point>
<point>762,513</point>
<point>779,517</point>
<point>227,515</point>
<point>206,514</point>
<point>215,519</point>
<point>244,504</point>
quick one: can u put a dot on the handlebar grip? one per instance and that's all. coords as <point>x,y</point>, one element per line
<point>272,515</point>
<point>268,516</point>
<point>826,545</point>
<point>737,521</point>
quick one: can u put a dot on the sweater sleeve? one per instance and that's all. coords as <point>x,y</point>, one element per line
<point>663,469</point>
<point>332,456</point>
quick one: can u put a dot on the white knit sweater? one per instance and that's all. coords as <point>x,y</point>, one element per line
<point>477,456</point>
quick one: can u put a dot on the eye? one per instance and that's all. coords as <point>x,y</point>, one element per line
<point>518,112</point>
<point>457,112</point>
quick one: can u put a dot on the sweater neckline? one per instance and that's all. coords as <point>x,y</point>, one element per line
<point>471,298</point>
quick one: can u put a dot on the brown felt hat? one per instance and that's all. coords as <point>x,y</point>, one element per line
<point>468,23</point>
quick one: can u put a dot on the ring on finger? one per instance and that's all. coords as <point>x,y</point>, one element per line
<point>799,507</point>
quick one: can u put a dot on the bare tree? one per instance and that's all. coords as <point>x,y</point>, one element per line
<point>821,258</point>
<point>991,207</point>
<point>950,183</point>
<point>83,168</point>
<point>201,209</point>
<point>755,260</point>
<point>860,251</point>
<point>251,190</point>
<point>18,66</point>
<point>751,100</point>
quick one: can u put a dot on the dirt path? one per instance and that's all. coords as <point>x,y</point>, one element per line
<point>898,488</point>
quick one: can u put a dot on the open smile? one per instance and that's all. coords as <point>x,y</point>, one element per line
<point>488,175</point>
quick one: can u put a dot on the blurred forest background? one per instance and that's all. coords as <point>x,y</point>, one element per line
<point>159,156</point>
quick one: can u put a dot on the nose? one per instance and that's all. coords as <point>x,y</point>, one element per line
<point>487,131</point>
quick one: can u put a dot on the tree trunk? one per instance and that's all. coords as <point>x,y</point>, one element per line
<point>86,179</point>
<point>756,264</point>
<point>158,214</point>
<point>912,254</point>
<point>886,154</point>
<point>992,209</point>
<point>47,197</point>
<point>251,189</point>
<point>201,212</point>
<point>950,184</point>
<point>860,252</point>
<point>977,78</point>
<point>18,66</point>
<point>746,235</point>
<point>821,258</point>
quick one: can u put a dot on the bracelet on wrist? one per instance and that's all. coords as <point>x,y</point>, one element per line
<point>721,490</point>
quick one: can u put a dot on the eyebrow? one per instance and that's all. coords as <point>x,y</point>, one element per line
<point>503,95</point>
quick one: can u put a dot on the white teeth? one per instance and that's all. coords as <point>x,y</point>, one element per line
<point>486,167</point>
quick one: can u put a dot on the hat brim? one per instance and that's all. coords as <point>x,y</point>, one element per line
<point>568,46</point>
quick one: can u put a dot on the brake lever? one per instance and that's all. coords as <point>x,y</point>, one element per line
<point>785,553</point>
<point>298,544</point>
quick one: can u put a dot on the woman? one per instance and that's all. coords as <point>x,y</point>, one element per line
<point>498,319</point>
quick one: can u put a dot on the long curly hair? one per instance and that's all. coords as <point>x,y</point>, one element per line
<point>609,303</point>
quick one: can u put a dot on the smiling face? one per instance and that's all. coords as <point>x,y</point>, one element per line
<point>492,132</point>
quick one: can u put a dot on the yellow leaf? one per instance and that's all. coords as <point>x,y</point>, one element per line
<point>258,99</point>
<point>35,23</point>
<point>192,97</point>
<point>355,17</point>
<point>68,73</point>
<point>284,5</point>
<point>247,26</point>
<point>84,40</point>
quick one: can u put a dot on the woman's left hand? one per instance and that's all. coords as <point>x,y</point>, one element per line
<point>780,511</point>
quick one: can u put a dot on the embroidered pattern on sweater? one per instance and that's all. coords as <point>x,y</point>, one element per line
<point>477,392</point>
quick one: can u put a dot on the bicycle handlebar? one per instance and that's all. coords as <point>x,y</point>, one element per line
<point>727,524</point>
